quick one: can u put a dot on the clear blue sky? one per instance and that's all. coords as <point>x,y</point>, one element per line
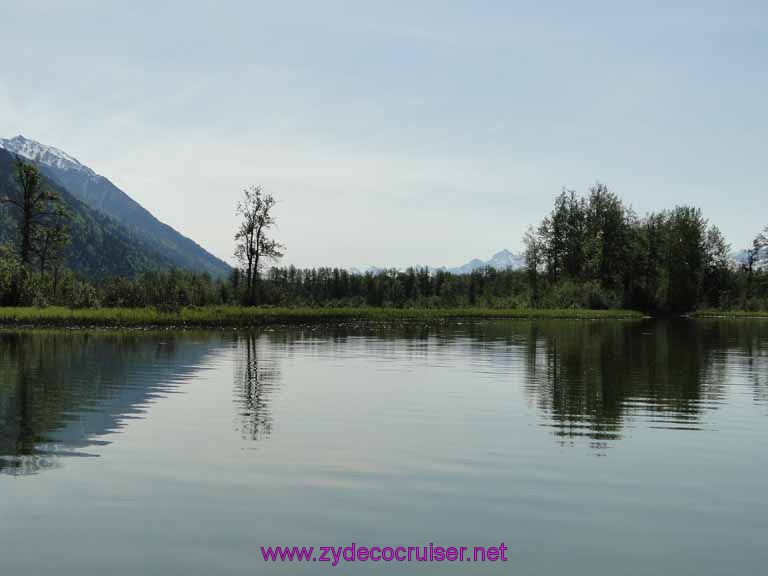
<point>398,133</point>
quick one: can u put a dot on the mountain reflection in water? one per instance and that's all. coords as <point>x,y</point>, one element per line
<point>63,392</point>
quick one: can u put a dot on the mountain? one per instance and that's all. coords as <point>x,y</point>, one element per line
<point>740,257</point>
<point>100,194</point>
<point>99,247</point>
<point>502,260</point>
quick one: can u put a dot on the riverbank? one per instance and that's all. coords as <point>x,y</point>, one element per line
<point>244,317</point>
<point>714,313</point>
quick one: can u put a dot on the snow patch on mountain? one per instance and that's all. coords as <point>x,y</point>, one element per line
<point>42,154</point>
<point>502,260</point>
<point>740,258</point>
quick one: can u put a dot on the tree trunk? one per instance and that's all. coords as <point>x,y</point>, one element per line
<point>255,281</point>
<point>26,232</point>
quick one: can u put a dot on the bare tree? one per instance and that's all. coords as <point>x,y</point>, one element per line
<point>253,242</point>
<point>37,204</point>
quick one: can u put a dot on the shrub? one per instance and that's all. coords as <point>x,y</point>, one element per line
<point>82,295</point>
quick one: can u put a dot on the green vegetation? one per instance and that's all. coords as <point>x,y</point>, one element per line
<point>669,261</point>
<point>243,316</point>
<point>97,195</point>
<point>589,253</point>
<point>54,233</point>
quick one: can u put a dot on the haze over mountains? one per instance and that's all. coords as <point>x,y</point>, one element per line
<point>506,260</point>
<point>97,192</point>
<point>112,234</point>
<point>502,260</point>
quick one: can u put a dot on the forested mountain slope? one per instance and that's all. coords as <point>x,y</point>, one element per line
<point>100,194</point>
<point>99,246</point>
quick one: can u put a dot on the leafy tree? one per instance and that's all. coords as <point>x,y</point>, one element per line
<point>534,257</point>
<point>653,232</point>
<point>574,235</point>
<point>753,260</point>
<point>10,273</point>
<point>607,235</point>
<point>50,241</point>
<point>597,252</point>
<point>716,267</point>
<point>39,207</point>
<point>685,257</point>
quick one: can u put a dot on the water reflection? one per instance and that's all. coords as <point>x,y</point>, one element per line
<point>595,379</point>
<point>588,379</point>
<point>256,378</point>
<point>61,393</point>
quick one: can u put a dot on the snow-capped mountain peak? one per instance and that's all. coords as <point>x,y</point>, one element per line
<point>47,155</point>
<point>505,259</point>
<point>502,260</point>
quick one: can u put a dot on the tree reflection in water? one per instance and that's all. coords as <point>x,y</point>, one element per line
<point>256,378</point>
<point>61,392</point>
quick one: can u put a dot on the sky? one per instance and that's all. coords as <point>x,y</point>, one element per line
<point>398,133</point>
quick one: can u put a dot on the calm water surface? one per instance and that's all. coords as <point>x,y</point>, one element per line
<point>586,447</point>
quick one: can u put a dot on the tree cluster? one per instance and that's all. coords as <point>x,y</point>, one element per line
<point>589,252</point>
<point>673,260</point>
<point>42,235</point>
<point>394,288</point>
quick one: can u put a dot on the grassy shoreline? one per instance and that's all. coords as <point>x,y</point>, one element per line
<point>243,317</point>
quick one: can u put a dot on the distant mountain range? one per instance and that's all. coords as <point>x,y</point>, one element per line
<point>506,260</point>
<point>113,235</point>
<point>740,258</point>
<point>502,260</point>
<point>162,245</point>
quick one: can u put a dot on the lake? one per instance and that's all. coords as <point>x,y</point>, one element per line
<point>586,447</point>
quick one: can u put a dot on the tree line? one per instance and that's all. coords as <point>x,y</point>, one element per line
<point>673,260</point>
<point>590,251</point>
